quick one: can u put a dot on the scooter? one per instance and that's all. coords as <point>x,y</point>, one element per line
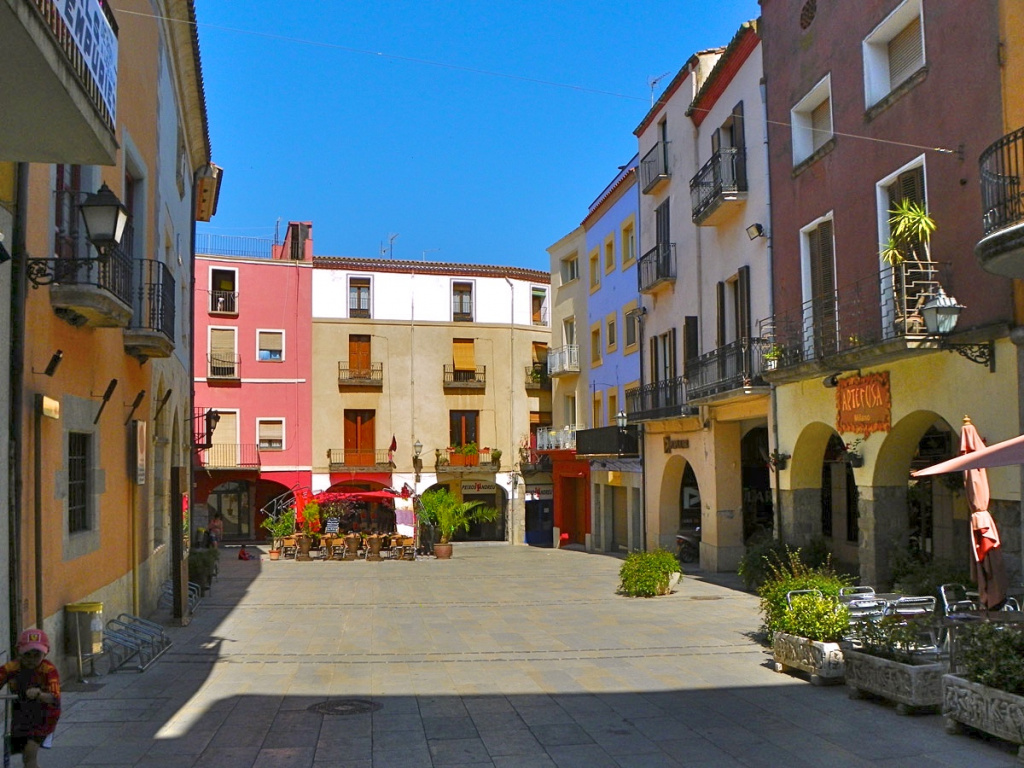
<point>688,546</point>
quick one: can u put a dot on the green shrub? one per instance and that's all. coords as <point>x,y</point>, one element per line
<point>753,566</point>
<point>787,573</point>
<point>912,574</point>
<point>815,617</point>
<point>202,566</point>
<point>892,637</point>
<point>993,655</point>
<point>646,574</point>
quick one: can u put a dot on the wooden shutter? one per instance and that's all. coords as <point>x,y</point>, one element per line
<point>673,370</point>
<point>661,224</point>
<point>359,355</point>
<point>222,352</point>
<point>359,438</point>
<point>823,288</point>
<point>743,302</point>
<point>655,371</point>
<point>463,355</point>
<point>720,315</point>
<point>906,53</point>
<point>821,123</point>
<point>691,342</point>
<point>739,141</point>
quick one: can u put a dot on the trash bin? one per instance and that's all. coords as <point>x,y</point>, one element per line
<point>84,630</point>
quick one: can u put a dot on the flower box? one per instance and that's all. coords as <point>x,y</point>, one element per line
<point>991,710</point>
<point>822,661</point>
<point>908,685</point>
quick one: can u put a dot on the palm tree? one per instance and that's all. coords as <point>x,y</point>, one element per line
<point>910,234</point>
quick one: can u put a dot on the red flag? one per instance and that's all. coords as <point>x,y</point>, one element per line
<point>394,444</point>
<point>301,499</point>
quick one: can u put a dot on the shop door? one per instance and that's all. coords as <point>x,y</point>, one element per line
<point>620,520</point>
<point>231,499</point>
<point>359,438</point>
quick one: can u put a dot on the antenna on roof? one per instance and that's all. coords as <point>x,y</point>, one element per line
<point>391,245</point>
<point>653,81</point>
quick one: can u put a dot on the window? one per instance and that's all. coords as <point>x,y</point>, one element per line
<point>463,360</point>
<point>270,346</point>
<point>812,121</point>
<point>359,297</point>
<point>597,411</point>
<point>570,410</point>
<point>629,323</point>
<point>609,253</point>
<point>67,234</point>
<point>569,331</point>
<point>79,458</point>
<point>595,271</point>
<point>462,427</point>
<point>611,336</point>
<point>360,438</point>
<point>570,269</point>
<point>628,243</point>
<point>663,356</point>
<point>359,364</point>
<point>462,302</point>
<point>270,433</point>
<point>595,344</point>
<point>223,291</point>
<point>223,358</point>
<point>906,184</point>
<point>818,246</point>
<point>893,52</point>
<point>613,406</point>
<point>539,305</point>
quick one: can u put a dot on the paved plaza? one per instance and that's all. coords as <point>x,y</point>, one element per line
<point>511,657</point>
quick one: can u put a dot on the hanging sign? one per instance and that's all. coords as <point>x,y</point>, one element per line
<point>864,404</point>
<point>471,486</point>
<point>97,42</point>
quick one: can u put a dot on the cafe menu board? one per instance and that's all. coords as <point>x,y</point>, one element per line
<point>864,404</point>
<point>332,526</point>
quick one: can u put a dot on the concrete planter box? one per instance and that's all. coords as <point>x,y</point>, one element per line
<point>822,661</point>
<point>909,685</point>
<point>991,710</point>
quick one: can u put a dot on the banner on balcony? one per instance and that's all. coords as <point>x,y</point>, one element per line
<point>864,404</point>
<point>95,38</point>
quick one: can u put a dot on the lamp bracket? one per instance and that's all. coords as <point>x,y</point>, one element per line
<point>982,354</point>
<point>42,272</point>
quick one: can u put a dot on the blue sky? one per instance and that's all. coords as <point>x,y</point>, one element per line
<point>374,119</point>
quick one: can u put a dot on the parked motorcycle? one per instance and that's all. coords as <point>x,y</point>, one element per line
<point>688,546</point>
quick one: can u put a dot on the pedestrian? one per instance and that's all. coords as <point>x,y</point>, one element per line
<point>36,683</point>
<point>216,529</point>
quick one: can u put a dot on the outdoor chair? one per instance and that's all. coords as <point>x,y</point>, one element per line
<point>289,547</point>
<point>913,606</point>
<point>856,593</point>
<point>955,599</point>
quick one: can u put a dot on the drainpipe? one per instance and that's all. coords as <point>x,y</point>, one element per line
<point>17,394</point>
<point>771,305</point>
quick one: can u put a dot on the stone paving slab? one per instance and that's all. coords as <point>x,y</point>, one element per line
<point>511,657</point>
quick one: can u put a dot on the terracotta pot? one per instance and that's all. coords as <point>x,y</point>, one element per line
<point>275,554</point>
<point>443,551</point>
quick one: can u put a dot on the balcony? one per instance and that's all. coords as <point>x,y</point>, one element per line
<point>872,321</point>
<point>151,333</point>
<point>719,187</point>
<point>88,291</point>
<point>657,267</point>
<point>454,458</point>
<point>360,377</point>
<point>537,377</point>
<point>456,378</point>
<point>731,370</point>
<point>223,302</point>
<point>59,81</point>
<point>564,361</point>
<point>660,400</point>
<point>230,456</point>
<point>563,439</point>
<point>1001,250</point>
<point>372,459</point>
<point>654,171</point>
<point>608,441</point>
<point>224,366</point>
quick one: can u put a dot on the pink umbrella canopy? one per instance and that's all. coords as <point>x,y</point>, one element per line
<point>1005,454</point>
<point>987,567</point>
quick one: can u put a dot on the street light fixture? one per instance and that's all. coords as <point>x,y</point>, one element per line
<point>941,314</point>
<point>417,462</point>
<point>621,419</point>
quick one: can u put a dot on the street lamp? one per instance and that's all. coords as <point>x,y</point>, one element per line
<point>620,419</point>
<point>941,313</point>
<point>417,462</point>
<point>105,218</point>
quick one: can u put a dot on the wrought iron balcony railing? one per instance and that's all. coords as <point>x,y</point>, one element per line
<point>658,400</point>
<point>224,366</point>
<point>882,307</point>
<point>457,378</point>
<point>563,439</point>
<point>657,266</point>
<point>153,297</point>
<point>723,178</point>
<point>342,458</point>
<point>1002,182</point>
<point>730,367</point>
<point>653,168</point>
<point>537,377</point>
<point>360,377</point>
<point>564,360</point>
<point>230,456</point>
<point>223,302</point>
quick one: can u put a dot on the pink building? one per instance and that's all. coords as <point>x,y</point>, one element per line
<point>253,393</point>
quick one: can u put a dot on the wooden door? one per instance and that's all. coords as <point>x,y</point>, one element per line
<point>359,438</point>
<point>359,356</point>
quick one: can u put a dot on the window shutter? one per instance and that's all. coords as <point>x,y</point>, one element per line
<point>743,297</point>
<point>654,361</point>
<point>738,139</point>
<point>463,356</point>
<point>720,314</point>
<point>271,431</point>
<point>270,340</point>
<point>222,344</point>
<point>690,342</point>
<point>671,354</point>
<point>821,123</point>
<point>906,53</point>
<point>822,269</point>
<point>661,224</point>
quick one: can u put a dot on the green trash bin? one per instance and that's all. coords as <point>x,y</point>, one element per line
<point>84,625</point>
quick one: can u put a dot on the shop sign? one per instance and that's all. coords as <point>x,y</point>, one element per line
<point>97,42</point>
<point>672,444</point>
<point>540,493</point>
<point>471,486</point>
<point>864,404</point>
<point>139,428</point>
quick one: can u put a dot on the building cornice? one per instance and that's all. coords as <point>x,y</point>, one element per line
<point>358,264</point>
<point>743,43</point>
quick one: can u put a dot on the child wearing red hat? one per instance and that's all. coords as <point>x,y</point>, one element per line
<point>36,683</point>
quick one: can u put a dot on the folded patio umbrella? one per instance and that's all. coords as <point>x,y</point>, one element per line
<point>1004,454</point>
<point>987,567</point>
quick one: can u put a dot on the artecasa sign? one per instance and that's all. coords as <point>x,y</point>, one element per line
<point>672,443</point>
<point>864,404</point>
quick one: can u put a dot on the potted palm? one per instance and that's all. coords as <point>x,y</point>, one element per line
<point>279,527</point>
<point>310,528</point>
<point>449,515</point>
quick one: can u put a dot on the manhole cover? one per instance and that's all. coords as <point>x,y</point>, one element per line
<point>345,707</point>
<point>705,597</point>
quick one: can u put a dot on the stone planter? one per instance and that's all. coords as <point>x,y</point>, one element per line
<point>822,661</point>
<point>991,710</point>
<point>673,580</point>
<point>910,686</point>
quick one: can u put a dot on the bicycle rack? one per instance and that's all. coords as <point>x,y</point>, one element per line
<point>132,640</point>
